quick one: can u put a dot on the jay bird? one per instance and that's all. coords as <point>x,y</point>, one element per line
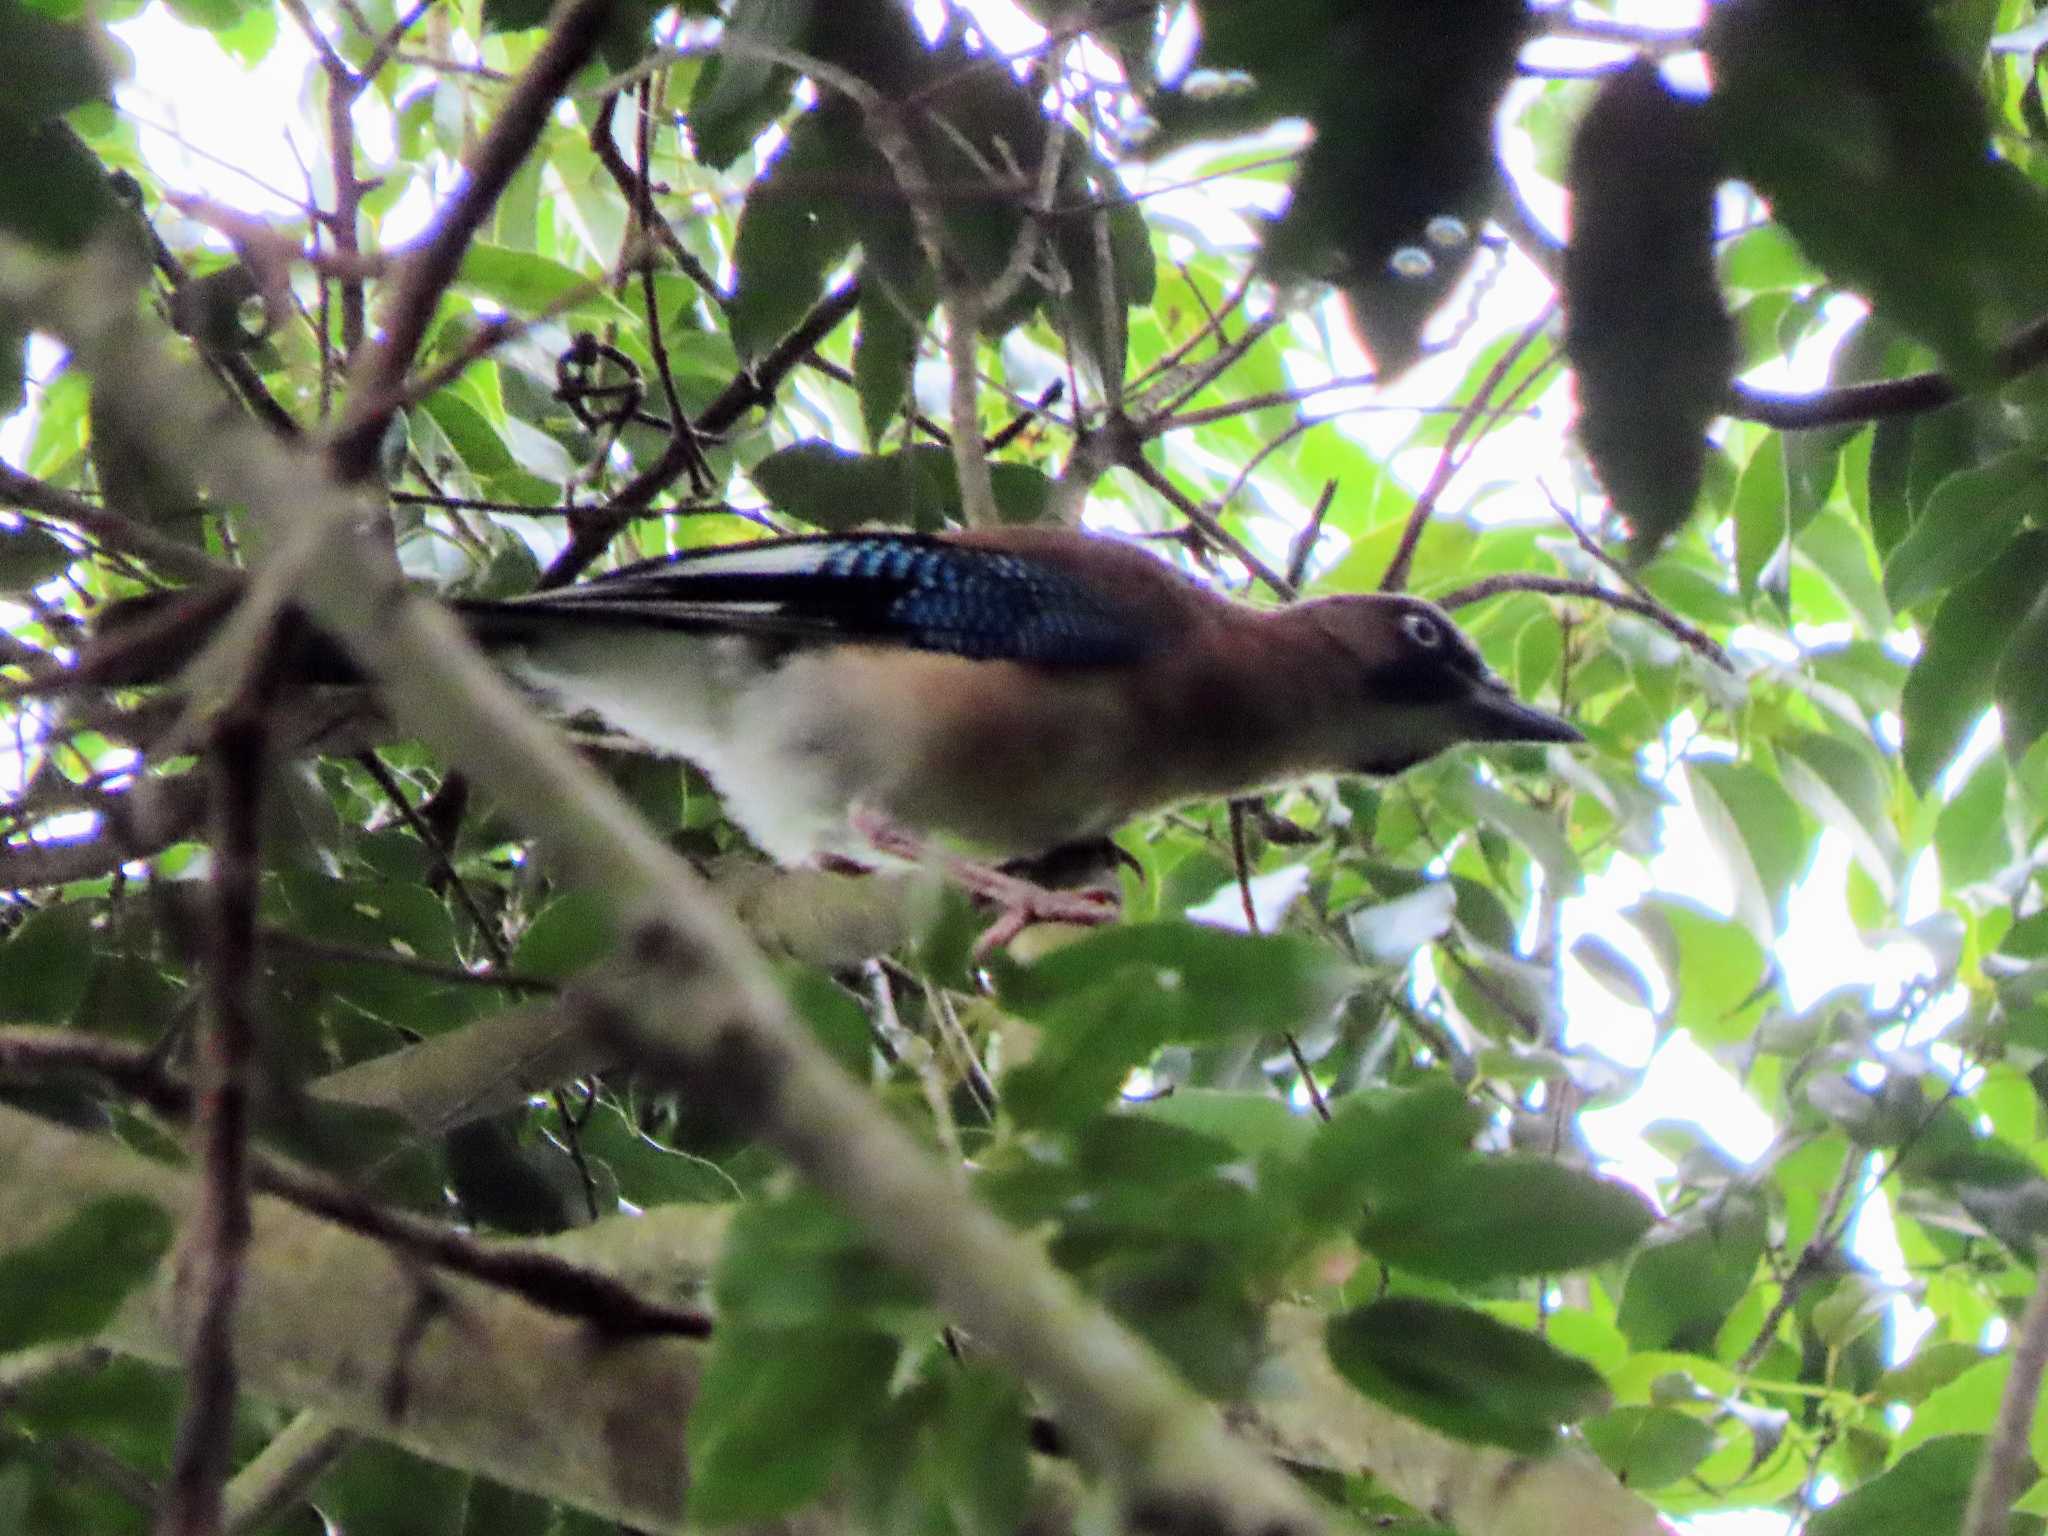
<point>1009,693</point>
<point>1012,691</point>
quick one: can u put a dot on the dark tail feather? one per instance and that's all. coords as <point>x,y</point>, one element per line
<point>150,638</point>
<point>138,641</point>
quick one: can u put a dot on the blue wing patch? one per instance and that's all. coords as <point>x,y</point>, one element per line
<point>907,589</point>
<point>983,604</point>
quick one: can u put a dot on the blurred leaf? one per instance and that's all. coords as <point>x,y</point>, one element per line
<point>1840,114</point>
<point>1951,684</point>
<point>572,933</point>
<point>918,488</point>
<point>1713,965</point>
<point>524,283</point>
<point>68,1283</point>
<point>54,65</point>
<point>1923,1494</point>
<point>1756,827</point>
<point>1397,183</point>
<point>1762,518</point>
<point>1380,1144</point>
<point>380,1490</point>
<point>1690,1273</point>
<point>774,1414</point>
<point>1968,520</point>
<point>983,1450</point>
<point>739,93</point>
<point>1649,1447</point>
<point>1970,833</point>
<point>1252,1123</point>
<point>1108,1001</point>
<point>41,978</point>
<point>1650,343</point>
<point>1496,1216</point>
<point>796,1264</point>
<point>30,556</point>
<point>2016,686</point>
<point>793,229</point>
<point>1461,1372</point>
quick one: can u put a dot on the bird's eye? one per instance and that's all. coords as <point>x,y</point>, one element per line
<point>1423,630</point>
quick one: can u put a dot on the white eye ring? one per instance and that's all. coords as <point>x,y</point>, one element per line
<point>1423,630</point>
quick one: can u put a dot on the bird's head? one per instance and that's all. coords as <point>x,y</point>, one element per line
<point>1414,685</point>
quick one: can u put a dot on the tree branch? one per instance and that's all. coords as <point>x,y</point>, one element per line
<point>379,380</point>
<point>593,529</point>
<point>2002,1474</point>
<point>1558,586</point>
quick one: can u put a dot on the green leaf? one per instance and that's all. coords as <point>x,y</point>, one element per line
<point>884,351</point>
<point>1952,682</point>
<point>1379,1142</point>
<point>68,1283</point>
<point>982,1450</point>
<point>1107,1002</point>
<point>514,15</point>
<point>830,488</point>
<point>1757,828</point>
<point>1714,965</point>
<point>795,228</point>
<point>798,1263</point>
<point>52,67</point>
<point>42,975</point>
<point>1968,520</point>
<point>1690,1273</point>
<point>1923,1494</point>
<point>1651,345</point>
<point>1840,116</point>
<point>2016,686</point>
<point>1499,1216</point>
<point>740,92</point>
<point>774,1414</point>
<point>1887,481</point>
<point>1762,517</point>
<point>1970,833</point>
<point>1613,970</point>
<point>30,556</point>
<point>380,1490</point>
<point>54,192</point>
<point>525,283</point>
<point>1841,785</point>
<point>570,934</point>
<point>1461,1372</point>
<point>1649,1447</point>
<point>1402,162</point>
<point>1254,1124</point>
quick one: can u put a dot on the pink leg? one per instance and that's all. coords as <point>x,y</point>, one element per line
<point>1022,902</point>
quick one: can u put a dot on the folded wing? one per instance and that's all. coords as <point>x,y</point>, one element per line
<point>912,590</point>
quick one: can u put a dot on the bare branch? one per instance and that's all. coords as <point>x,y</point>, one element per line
<point>379,380</point>
<point>2003,1473</point>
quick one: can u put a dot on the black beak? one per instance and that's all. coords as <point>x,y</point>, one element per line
<point>1492,713</point>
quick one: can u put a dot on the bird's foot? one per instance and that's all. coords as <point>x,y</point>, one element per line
<point>1019,902</point>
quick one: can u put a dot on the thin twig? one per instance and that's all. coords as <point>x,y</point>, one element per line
<point>2005,1468</point>
<point>283,1472</point>
<point>1241,862</point>
<point>1686,634</point>
<point>578,27</point>
<point>598,526</point>
<point>1811,1262</point>
<point>171,556</point>
<point>1448,462</point>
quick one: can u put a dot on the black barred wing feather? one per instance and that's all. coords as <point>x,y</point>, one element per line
<point>906,589</point>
